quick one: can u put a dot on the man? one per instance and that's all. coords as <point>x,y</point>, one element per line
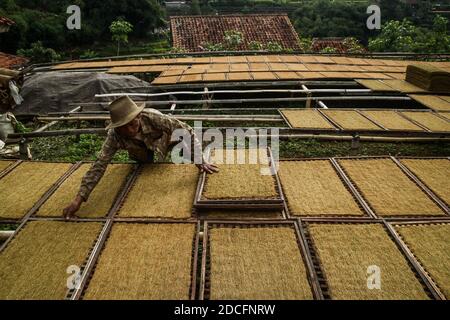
<point>140,132</point>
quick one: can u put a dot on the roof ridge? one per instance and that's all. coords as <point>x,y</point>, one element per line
<point>230,15</point>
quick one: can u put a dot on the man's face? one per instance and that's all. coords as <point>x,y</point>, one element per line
<point>131,129</point>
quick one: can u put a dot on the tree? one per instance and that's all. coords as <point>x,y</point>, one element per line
<point>39,54</point>
<point>404,36</point>
<point>45,20</point>
<point>396,36</point>
<point>120,30</point>
<point>325,18</point>
<point>195,8</point>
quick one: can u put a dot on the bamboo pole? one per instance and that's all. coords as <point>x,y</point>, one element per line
<point>223,118</point>
<point>262,100</point>
<point>215,110</point>
<point>281,132</point>
<point>220,111</point>
<point>247,84</point>
<point>207,92</point>
<point>56,120</point>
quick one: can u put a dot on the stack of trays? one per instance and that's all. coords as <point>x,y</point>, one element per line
<point>428,77</point>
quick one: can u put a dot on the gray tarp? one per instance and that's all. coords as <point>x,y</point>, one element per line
<point>52,91</point>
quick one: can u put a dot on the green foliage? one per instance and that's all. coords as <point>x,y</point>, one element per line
<point>328,50</point>
<point>177,50</point>
<point>214,46</point>
<point>46,21</point>
<point>352,45</point>
<point>328,18</point>
<point>298,148</point>
<point>19,127</point>
<point>39,54</point>
<point>273,46</point>
<point>233,39</point>
<point>89,54</point>
<point>195,8</point>
<point>404,36</point>
<point>325,18</point>
<point>67,148</point>
<point>256,46</point>
<point>305,44</point>
<point>120,30</point>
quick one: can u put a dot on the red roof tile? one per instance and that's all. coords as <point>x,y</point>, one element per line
<point>192,32</point>
<point>10,61</point>
<point>6,21</point>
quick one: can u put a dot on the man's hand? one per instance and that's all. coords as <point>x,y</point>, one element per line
<point>208,168</point>
<point>73,207</point>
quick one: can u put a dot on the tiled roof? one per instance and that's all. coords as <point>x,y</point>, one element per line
<point>10,61</point>
<point>192,32</point>
<point>6,21</point>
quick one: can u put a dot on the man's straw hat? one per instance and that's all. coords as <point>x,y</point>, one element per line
<point>123,111</point>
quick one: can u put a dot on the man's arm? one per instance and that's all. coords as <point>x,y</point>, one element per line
<point>170,124</point>
<point>95,173</point>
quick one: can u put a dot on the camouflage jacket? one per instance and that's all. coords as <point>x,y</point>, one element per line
<point>155,135</point>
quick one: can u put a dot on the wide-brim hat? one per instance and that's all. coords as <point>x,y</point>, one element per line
<point>123,111</point>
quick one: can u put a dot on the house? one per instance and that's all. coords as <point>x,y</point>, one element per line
<point>192,33</point>
<point>5,24</point>
<point>9,61</point>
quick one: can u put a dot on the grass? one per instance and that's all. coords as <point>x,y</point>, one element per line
<point>434,173</point>
<point>297,148</point>
<point>387,189</point>
<point>345,253</point>
<point>25,185</point>
<point>109,49</point>
<point>8,227</point>
<point>163,191</point>
<point>101,198</point>
<point>67,148</point>
<point>430,243</point>
<point>314,188</point>
<point>257,264</point>
<point>34,264</point>
<point>145,262</point>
